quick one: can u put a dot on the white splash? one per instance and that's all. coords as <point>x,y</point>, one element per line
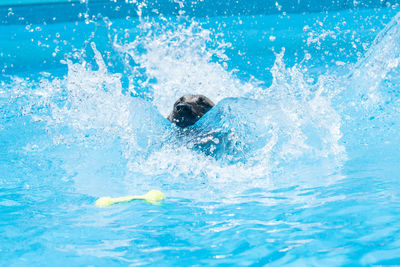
<point>181,62</point>
<point>88,107</point>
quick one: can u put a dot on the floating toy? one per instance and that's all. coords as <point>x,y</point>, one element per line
<point>153,196</point>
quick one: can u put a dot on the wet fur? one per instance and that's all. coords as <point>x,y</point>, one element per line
<point>189,109</point>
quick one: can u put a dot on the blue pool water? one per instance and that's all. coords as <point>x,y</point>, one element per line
<point>306,168</point>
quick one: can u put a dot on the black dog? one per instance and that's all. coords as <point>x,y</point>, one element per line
<point>188,109</point>
<point>210,136</point>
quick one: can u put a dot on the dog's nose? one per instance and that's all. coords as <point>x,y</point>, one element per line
<point>183,107</point>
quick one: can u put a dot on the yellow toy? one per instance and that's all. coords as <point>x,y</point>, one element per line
<point>152,196</point>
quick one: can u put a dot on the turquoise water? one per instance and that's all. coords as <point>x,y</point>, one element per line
<point>305,171</point>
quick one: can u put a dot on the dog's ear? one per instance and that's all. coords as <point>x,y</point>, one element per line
<point>205,102</point>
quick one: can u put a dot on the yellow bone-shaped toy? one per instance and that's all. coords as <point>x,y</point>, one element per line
<point>152,196</point>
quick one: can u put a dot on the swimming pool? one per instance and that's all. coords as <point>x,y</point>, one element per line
<point>307,95</point>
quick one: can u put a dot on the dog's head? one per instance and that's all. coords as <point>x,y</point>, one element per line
<point>189,109</point>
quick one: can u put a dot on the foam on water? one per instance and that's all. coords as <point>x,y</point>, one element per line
<point>179,59</point>
<point>263,129</point>
<point>369,95</point>
<point>381,58</point>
